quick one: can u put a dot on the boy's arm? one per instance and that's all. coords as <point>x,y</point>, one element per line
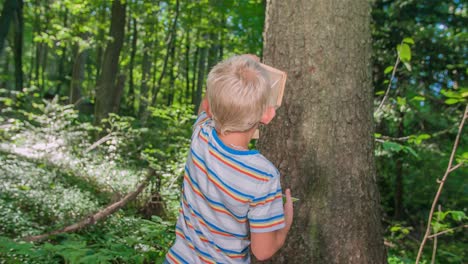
<point>265,245</point>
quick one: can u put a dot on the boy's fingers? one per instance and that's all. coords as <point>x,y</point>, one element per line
<point>253,57</point>
<point>288,194</point>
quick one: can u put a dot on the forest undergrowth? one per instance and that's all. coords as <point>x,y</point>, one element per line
<point>57,168</point>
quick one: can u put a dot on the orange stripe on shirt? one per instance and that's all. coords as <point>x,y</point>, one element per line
<point>237,167</point>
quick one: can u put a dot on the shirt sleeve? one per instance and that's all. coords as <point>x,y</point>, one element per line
<point>266,213</point>
<point>202,118</point>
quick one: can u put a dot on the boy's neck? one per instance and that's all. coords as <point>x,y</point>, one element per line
<point>238,140</point>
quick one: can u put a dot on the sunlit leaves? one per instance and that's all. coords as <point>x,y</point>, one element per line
<point>418,139</point>
<point>404,52</point>
<point>388,70</point>
<point>393,147</point>
<point>455,96</point>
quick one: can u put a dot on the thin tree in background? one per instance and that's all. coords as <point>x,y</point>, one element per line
<point>171,39</point>
<point>322,137</point>
<point>8,10</point>
<point>18,24</point>
<point>13,12</point>
<point>107,91</point>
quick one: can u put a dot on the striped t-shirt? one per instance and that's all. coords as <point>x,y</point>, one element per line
<point>226,194</point>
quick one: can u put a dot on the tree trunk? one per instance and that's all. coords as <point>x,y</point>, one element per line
<point>145,75</point>
<point>172,76</point>
<point>62,76</point>
<point>322,137</point>
<point>77,75</point>
<point>106,92</point>
<point>187,67</point>
<point>170,43</point>
<point>201,77</point>
<point>131,66</point>
<point>213,52</point>
<point>194,74</point>
<point>100,40</point>
<point>4,82</point>
<point>18,45</point>
<point>398,200</point>
<point>8,11</point>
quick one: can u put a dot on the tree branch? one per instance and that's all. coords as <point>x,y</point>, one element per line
<point>99,142</point>
<point>447,231</point>
<point>389,84</point>
<point>441,185</point>
<point>100,215</point>
<point>434,246</point>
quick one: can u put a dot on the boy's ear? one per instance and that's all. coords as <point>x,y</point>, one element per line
<point>268,115</point>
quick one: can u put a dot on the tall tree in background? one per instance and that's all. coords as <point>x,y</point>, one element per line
<point>108,91</point>
<point>8,11</point>
<point>322,137</point>
<point>13,12</point>
<point>18,45</point>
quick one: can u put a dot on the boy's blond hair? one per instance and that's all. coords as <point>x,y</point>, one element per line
<point>237,93</point>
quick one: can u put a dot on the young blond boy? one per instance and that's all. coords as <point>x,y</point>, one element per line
<point>231,197</point>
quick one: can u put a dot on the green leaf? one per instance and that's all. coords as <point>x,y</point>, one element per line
<point>377,135</point>
<point>437,226</point>
<point>24,187</point>
<point>380,93</point>
<point>451,101</point>
<point>411,151</point>
<point>421,137</point>
<point>418,98</point>
<point>392,146</point>
<point>408,40</point>
<point>451,94</point>
<point>404,52</point>
<point>294,199</point>
<point>458,215</point>
<point>408,66</point>
<point>388,69</point>
<point>401,101</point>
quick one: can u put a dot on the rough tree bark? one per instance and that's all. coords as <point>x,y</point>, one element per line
<point>322,137</point>
<point>107,89</point>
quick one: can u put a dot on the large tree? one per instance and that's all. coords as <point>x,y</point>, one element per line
<point>322,137</point>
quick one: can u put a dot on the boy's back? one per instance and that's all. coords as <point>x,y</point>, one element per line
<point>224,190</point>
<point>231,198</point>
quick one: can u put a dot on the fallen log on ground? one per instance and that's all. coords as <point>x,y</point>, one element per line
<point>100,215</point>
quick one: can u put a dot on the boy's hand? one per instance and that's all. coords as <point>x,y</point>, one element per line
<point>288,209</point>
<point>253,57</point>
<point>264,245</point>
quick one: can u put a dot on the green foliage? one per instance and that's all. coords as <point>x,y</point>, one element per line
<point>52,172</point>
<point>416,128</point>
<point>56,166</point>
<point>121,240</point>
